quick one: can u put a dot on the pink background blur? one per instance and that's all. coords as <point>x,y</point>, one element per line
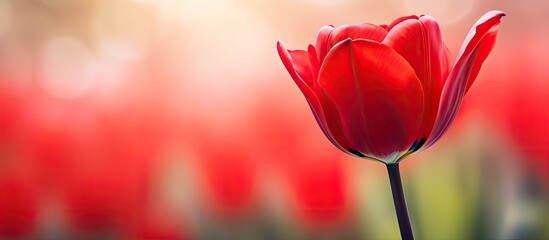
<point>175,119</point>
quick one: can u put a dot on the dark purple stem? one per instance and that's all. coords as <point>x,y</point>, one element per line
<point>400,202</point>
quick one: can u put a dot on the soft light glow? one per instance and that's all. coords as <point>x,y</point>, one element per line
<point>58,3</point>
<point>225,50</point>
<point>446,12</point>
<point>326,2</point>
<point>5,16</point>
<point>125,29</point>
<point>68,67</point>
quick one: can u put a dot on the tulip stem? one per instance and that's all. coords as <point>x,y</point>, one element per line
<point>400,202</point>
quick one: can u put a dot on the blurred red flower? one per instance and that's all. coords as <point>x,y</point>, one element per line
<point>18,206</point>
<point>320,191</point>
<point>517,103</point>
<point>315,182</point>
<point>107,189</point>
<point>151,226</point>
<point>386,92</point>
<point>228,172</point>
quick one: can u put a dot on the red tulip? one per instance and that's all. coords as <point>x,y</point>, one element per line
<point>385,92</point>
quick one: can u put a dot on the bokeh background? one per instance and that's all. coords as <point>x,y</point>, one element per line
<point>175,119</point>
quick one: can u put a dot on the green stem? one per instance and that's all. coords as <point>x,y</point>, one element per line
<point>400,202</point>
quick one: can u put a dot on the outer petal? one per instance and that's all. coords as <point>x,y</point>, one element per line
<point>354,31</point>
<point>321,44</point>
<point>314,103</point>
<point>478,44</point>
<point>377,97</point>
<point>298,60</point>
<point>420,43</point>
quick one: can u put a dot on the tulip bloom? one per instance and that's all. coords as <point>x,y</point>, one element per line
<point>385,92</point>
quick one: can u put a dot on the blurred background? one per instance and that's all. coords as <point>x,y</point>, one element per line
<point>175,119</point>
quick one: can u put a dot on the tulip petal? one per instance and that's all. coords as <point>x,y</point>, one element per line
<point>315,65</point>
<point>478,44</point>
<point>321,44</point>
<point>302,66</point>
<point>314,103</point>
<point>357,31</point>
<point>484,49</point>
<point>375,94</point>
<point>399,20</point>
<point>439,55</point>
<point>420,43</point>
